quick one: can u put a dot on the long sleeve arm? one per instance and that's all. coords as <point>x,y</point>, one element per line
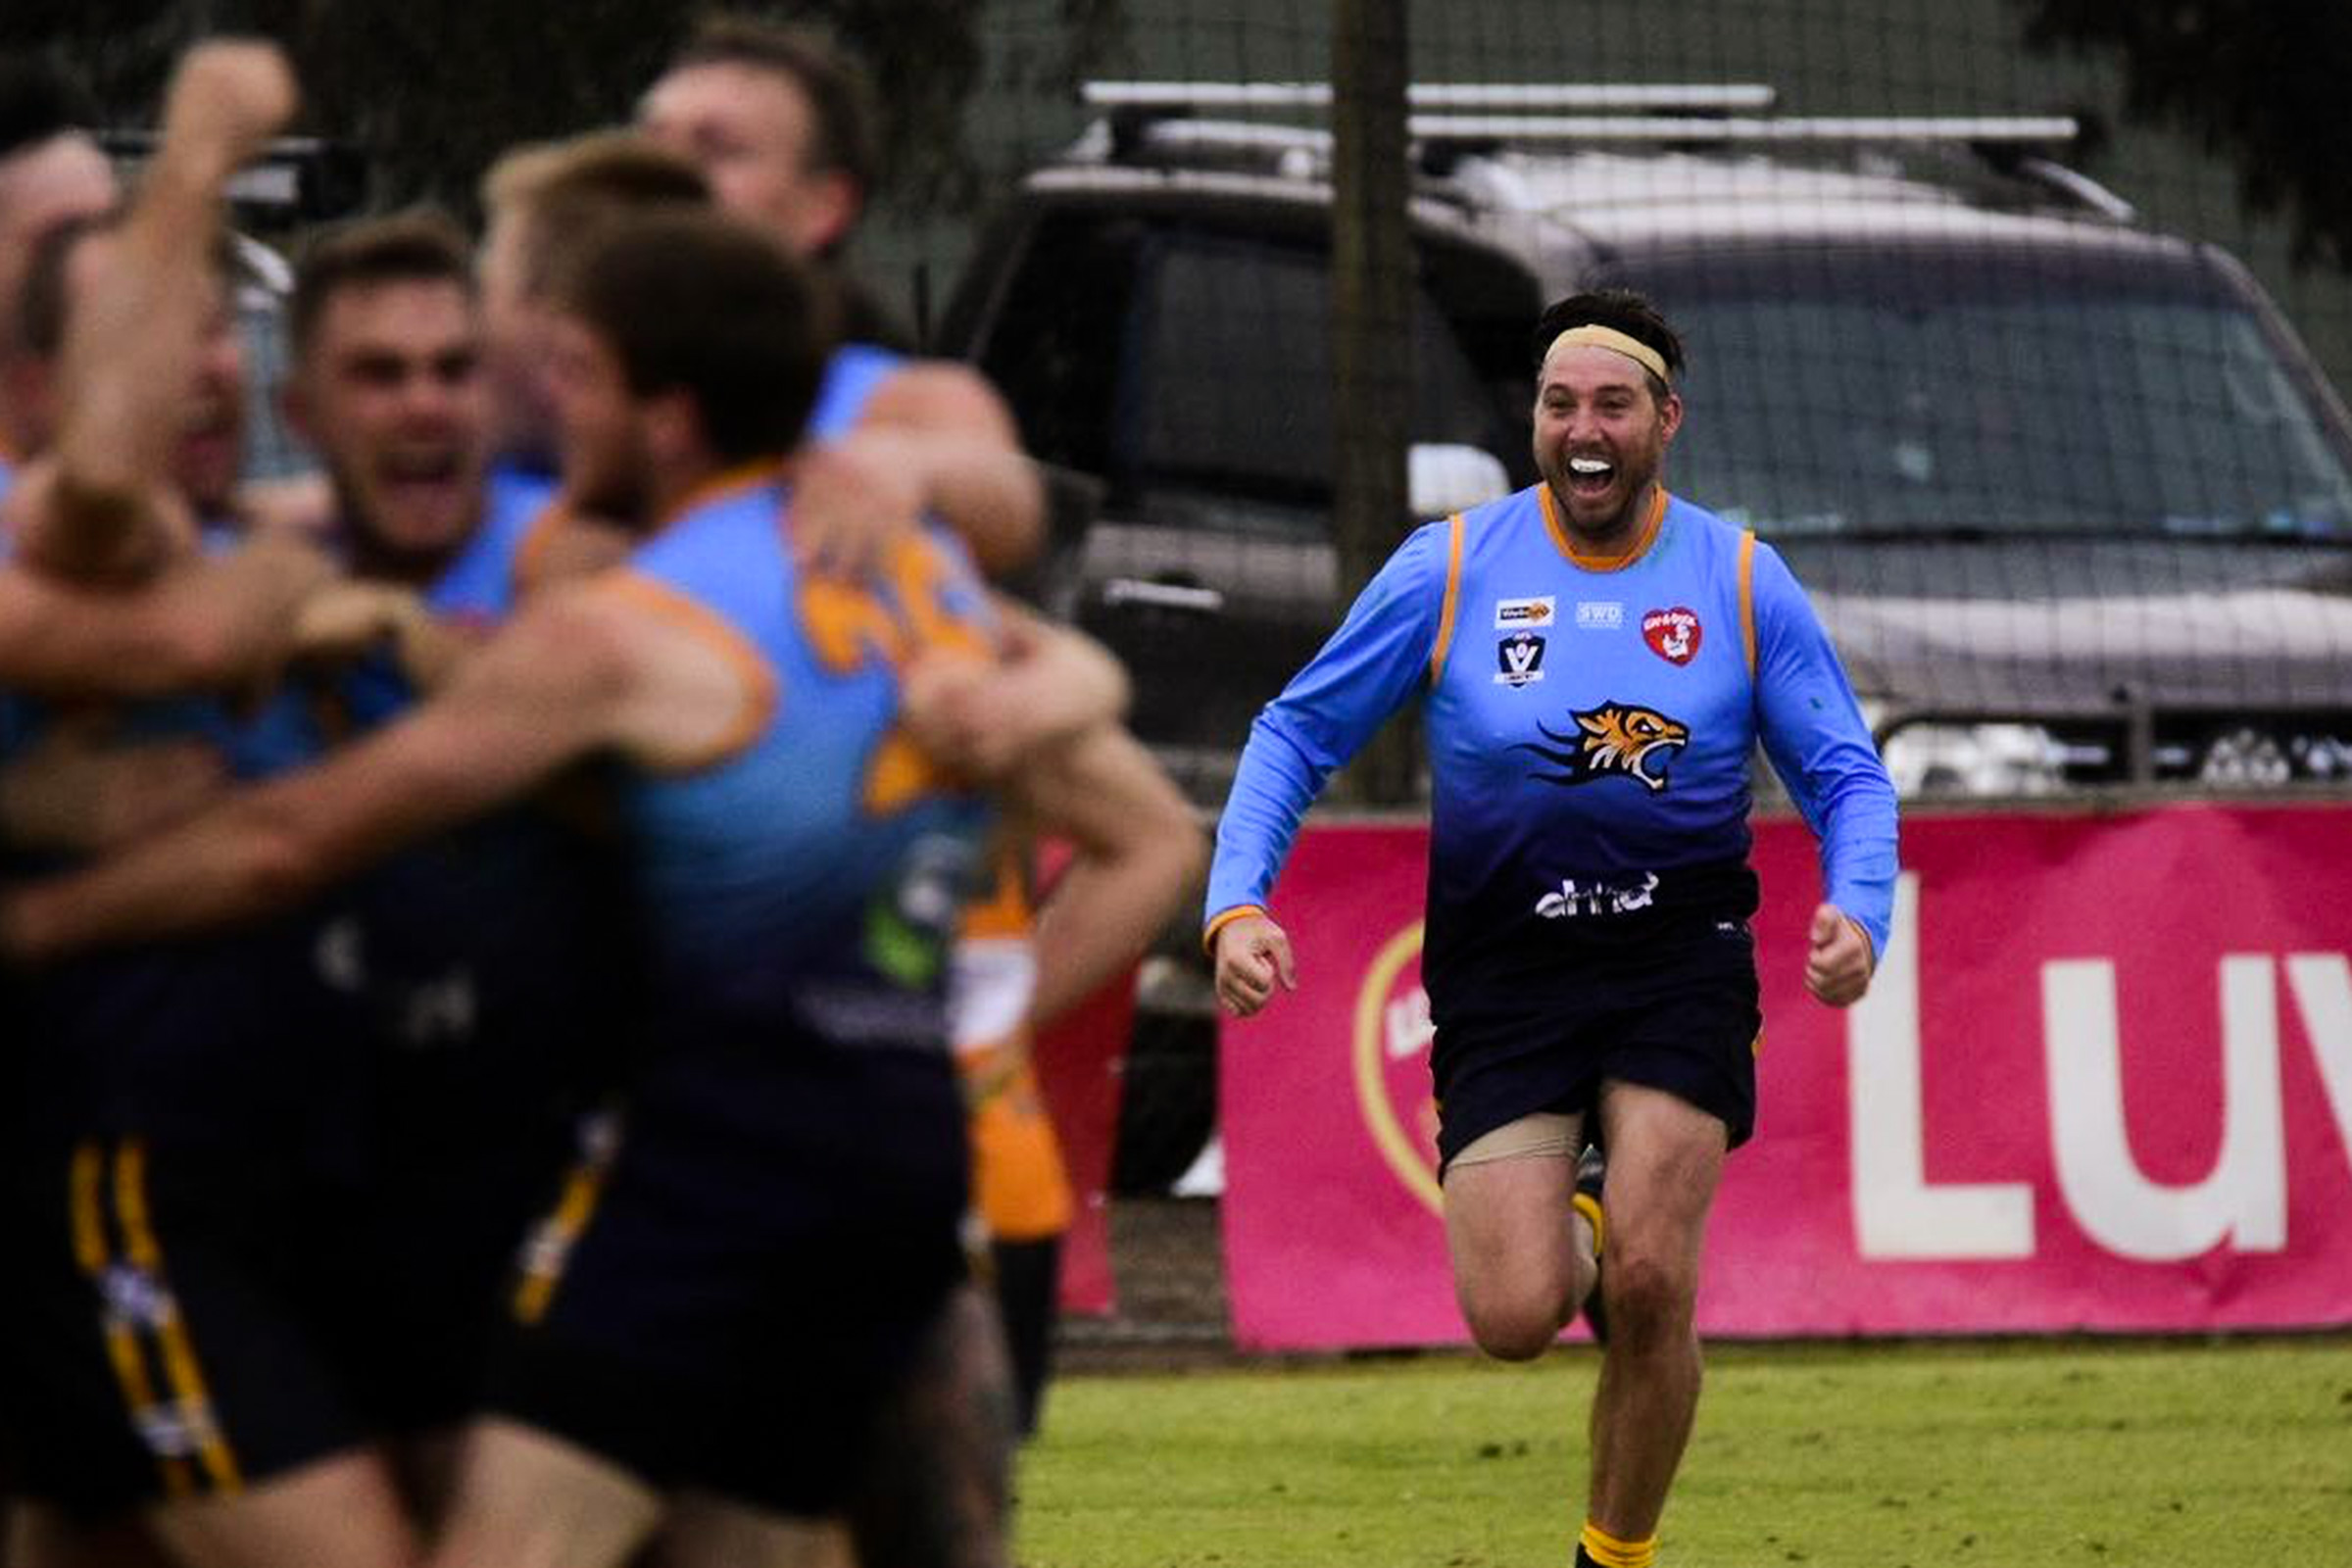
<point>1370,668</point>
<point>1815,736</point>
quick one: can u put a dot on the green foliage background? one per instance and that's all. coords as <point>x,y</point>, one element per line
<point>433,89</point>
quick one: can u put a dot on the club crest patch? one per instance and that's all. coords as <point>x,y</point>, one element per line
<point>1519,660</point>
<point>1615,740</point>
<point>1673,634</point>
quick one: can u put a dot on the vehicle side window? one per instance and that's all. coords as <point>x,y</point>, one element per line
<point>1056,349</point>
<point>1164,356</point>
<point>1232,373</point>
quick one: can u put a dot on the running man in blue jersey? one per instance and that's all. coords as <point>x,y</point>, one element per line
<point>734,1287</point>
<point>1596,659</point>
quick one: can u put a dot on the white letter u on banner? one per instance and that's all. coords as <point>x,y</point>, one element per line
<point>2242,1199</point>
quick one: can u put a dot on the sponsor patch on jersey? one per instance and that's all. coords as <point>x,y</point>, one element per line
<point>1519,660</point>
<point>1513,614</point>
<point>1615,740</point>
<point>1673,634</point>
<point>1598,614</point>
<point>1579,898</point>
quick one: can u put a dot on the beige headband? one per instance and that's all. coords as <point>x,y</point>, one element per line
<point>1616,342</point>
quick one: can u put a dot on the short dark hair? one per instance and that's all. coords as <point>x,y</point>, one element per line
<point>421,246</point>
<point>841,101</point>
<point>568,187</point>
<point>39,103</point>
<point>698,303</point>
<point>1625,311</point>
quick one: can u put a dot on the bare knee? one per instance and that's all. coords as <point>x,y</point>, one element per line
<point>1650,1302</point>
<point>1513,1331</point>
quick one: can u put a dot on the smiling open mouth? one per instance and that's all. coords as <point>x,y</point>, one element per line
<point>1591,475</point>
<point>423,468</point>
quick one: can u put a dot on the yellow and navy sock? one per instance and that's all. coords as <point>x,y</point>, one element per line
<point>1587,1204</point>
<point>1598,1548</point>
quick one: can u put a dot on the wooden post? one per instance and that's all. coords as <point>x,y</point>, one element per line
<point>1371,328</point>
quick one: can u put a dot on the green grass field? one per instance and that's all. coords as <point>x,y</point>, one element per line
<point>1999,1457</point>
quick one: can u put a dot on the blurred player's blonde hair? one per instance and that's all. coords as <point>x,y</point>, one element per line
<point>571,188</point>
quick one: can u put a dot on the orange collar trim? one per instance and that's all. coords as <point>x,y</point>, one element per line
<point>1617,562</point>
<point>728,481</point>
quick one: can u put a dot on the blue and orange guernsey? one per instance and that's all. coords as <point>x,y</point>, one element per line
<point>809,873</point>
<point>1590,723</point>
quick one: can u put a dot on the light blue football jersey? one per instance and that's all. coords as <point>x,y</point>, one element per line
<point>1589,723</point>
<point>811,873</point>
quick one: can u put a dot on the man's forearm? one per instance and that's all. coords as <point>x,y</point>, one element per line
<point>135,334</point>
<point>231,865</point>
<point>1139,852</point>
<point>991,495</point>
<point>203,624</point>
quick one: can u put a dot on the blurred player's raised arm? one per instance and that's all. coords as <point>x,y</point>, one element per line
<point>102,510</point>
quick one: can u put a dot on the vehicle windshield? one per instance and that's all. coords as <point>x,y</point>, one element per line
<point>1945,392</point>
<point>1231,383</point>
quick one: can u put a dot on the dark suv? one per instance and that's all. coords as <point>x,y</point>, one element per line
<point>2071,496</point>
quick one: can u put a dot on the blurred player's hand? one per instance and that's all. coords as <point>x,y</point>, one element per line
<point>851,500</point>
<point>1252,956</point>
<point>78,789</point>
<point>227,99</point>
<point>302,507</point>
<point>1048,685</point>
<point>568,547</point>
<point>966,713</point>
<point>346,620</point>
<point>1839,962</point>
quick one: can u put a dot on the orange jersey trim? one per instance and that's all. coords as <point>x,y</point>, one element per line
<point>1747,596</point>
<point>542,528</point>
<point>761,694</point>
<point>724,483</point>
<point>1617,562</point>
<point>1453,589</point>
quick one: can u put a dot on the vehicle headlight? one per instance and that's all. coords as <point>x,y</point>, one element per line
<point>1931,760</point>
<point>2245,756</point>
<point>2322,756</point>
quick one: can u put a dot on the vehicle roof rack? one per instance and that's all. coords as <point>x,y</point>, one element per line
<point>2076,185</point>
<point>1692,98</point>
<point>2046,130</point>
<point>298,178</point>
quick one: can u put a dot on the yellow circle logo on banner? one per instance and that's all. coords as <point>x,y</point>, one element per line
<point>1388,1029</point>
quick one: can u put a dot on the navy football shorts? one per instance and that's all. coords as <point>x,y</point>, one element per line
<point>1680,1014</point>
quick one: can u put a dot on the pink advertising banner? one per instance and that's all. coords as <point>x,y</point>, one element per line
<point>2103,1081</point>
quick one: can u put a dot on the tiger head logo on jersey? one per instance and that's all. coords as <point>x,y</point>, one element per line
<point>1615,738</point>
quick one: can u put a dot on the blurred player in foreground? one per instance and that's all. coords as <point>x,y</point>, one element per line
<point>775,1228</point>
